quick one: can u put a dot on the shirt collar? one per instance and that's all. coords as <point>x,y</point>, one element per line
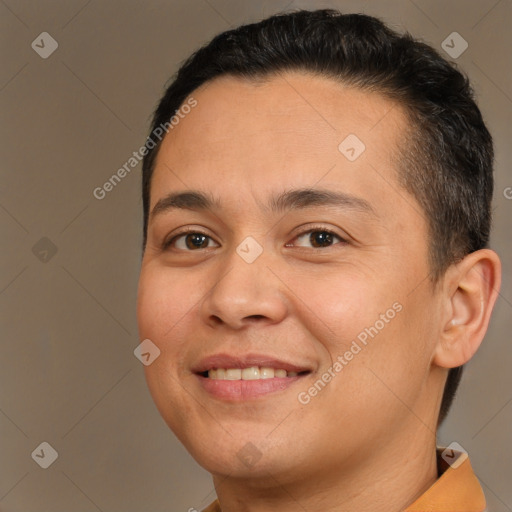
<point>457,487</point>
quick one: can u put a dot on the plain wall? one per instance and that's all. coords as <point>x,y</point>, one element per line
<point>68,375</point>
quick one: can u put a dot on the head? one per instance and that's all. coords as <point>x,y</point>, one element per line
<point>274,103</point>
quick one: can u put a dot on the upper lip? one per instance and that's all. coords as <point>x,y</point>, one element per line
<point>246,361</point>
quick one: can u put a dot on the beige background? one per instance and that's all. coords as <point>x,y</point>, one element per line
<point>68,375</point>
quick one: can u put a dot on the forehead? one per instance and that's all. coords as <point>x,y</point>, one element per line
<point>292,129</point>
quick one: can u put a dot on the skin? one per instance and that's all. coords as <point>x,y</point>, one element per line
<point>367,440</point>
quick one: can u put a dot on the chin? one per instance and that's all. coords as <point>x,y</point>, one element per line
<point>235,467</point>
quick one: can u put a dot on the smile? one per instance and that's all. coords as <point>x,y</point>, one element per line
<point>236,378</point>
<point>251,373</point>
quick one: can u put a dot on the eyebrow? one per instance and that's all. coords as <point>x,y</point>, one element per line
<point>289,200</point>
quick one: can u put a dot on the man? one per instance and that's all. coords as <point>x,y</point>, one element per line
<point>315,269</point>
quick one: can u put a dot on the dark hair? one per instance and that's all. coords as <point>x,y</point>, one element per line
<point>445,160</point>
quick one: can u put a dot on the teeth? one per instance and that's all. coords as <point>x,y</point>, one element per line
<point>266,373</point>
<point>233,374</point>
<point>252,373</point>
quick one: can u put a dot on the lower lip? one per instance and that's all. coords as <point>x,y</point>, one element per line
<point>240,390</point>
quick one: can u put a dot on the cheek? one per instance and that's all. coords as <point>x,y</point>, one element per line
<point>376,329</point>
<point>163,299</point>
<point>160,306</point>
<point>340,306</point>
<point>395,361</point>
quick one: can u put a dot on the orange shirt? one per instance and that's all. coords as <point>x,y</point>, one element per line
<point>456,490</point>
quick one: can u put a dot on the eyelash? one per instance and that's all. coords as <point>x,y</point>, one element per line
<point>310,230</point>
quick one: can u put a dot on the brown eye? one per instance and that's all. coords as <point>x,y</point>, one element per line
<point>190,241</point>
<point>321,238</point>
<point>196,241</point>
<point>317,239</point>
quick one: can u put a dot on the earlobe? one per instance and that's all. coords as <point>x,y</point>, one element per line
<point>471,288</point>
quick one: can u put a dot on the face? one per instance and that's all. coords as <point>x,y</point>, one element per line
<point>295,265</point>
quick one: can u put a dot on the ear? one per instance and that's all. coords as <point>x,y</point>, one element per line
<point>470,289</point>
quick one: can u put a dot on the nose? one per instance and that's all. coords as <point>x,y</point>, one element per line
<point>244,294</point>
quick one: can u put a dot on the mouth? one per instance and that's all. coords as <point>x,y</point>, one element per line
<point>248,377</point>
<point>250,373</point>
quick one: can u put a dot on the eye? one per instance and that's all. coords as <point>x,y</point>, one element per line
<point>189,241</point>
<point>317,238</point>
